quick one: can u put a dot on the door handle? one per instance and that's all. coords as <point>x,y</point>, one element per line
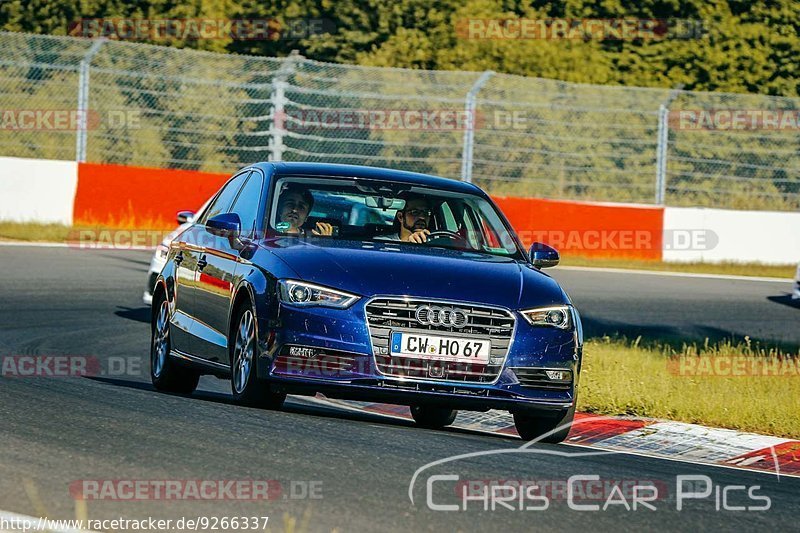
<point>179,258</point>
<point>201,264</point>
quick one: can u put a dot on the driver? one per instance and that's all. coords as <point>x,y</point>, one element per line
<point>294,206</point>
<point>413,221</point>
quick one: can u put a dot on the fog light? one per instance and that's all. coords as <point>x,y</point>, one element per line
<point>558,375</point>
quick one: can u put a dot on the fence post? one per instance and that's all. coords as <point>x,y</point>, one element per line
<point>83,100</point>
<point>469,132</point>
<point>278,101</point>
<point>662,150</point>
<point>661,154</point>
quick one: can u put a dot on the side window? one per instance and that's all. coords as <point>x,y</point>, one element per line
<point>448,218</point>
<point>248,201</point>
<point>474,231</point>
<point>222,202</point>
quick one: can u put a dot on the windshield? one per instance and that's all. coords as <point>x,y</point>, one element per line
<point>367,210</point>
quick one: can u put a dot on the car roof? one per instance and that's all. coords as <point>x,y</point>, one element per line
<point>374,173</point>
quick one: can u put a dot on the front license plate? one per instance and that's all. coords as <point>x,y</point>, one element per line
<point>440,348</point>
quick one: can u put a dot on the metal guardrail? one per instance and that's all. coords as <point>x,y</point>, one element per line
<point>155,106</point>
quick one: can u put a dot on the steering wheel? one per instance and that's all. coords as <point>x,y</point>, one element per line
<point>445,234</point>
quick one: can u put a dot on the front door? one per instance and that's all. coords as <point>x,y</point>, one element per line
<point>217,276</point>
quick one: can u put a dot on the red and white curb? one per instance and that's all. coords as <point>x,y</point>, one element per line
<point>654,438</point>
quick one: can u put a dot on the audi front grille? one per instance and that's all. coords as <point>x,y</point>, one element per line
<point>387,315</point>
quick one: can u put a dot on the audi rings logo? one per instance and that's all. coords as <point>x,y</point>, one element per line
<point>432,315</point>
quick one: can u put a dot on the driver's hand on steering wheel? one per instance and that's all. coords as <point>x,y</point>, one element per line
<point>420,236</point>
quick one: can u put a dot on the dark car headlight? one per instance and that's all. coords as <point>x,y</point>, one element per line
<point>559,316</point>
<point>308,294</point>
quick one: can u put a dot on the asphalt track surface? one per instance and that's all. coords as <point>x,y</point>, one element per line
<point>55,431</point>
<point>681,308</point>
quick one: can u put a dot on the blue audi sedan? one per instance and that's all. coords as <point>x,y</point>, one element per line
<point>367,284</point>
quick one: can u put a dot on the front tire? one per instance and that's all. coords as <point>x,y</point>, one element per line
<point>166,374</point>
<point>433,417</point>
<point>247,389</point>
<point>532,427</point>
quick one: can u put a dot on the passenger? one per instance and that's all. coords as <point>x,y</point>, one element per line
<point>294,206</point>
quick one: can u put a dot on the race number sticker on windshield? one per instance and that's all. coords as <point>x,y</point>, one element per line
<point>440,348</point>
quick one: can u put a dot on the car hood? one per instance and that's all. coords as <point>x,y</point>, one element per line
<point>374,268</point>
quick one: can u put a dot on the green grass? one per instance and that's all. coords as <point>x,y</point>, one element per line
<point>30,231</point>
<point>121,236</point>
<point>726,268</point>
<point>620,377</point>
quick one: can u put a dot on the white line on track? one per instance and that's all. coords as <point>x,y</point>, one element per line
<point>35,244</point>
<point>676,274</point>
<point>76,246</point>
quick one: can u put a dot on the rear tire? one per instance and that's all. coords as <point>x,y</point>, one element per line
<point>247,389</point>
<point>433,417</point>
<point>533,427</point>
<point>165,373</point>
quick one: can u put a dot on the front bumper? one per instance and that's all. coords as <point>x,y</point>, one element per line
<point>333,355</point>
<point>156,265</point>
<point>386,391</point>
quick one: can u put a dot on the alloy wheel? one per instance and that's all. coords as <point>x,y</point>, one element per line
<point>161,339</point>
<point>243,351</point>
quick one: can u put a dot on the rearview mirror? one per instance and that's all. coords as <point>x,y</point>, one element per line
<point>224,225</point>
<point>382,202</point>
<point>543,256</point>
<point>185,216</point>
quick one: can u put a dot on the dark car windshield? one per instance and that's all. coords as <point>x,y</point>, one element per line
<point>354,209</point>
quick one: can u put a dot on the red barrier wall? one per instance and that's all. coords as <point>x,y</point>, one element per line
<point>120,196</point>
<point>588,229</point>
<point>137,197</point>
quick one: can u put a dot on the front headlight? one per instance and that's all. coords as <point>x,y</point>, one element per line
<point>557,316</point>
<point>308,294</point>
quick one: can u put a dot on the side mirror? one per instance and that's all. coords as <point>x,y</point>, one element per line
<point>184,216</point>
<point>225,225</point>
<point>543,256</point>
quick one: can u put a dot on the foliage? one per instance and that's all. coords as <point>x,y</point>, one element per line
<point>745,46</point>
